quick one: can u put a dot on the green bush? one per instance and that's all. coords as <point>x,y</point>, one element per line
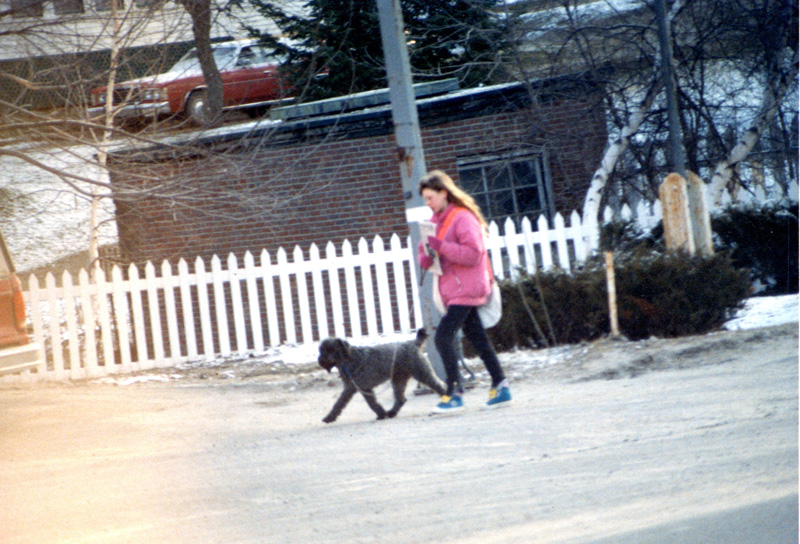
<point>765,241</point>
<point>658,294</point>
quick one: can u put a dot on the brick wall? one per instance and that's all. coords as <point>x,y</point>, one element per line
<point>314,185</point>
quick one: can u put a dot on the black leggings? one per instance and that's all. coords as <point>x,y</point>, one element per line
<point>466,318</point>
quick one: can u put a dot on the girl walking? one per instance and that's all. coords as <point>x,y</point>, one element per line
<point>465,284</point>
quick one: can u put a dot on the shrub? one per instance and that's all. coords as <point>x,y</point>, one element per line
<point>658,294</point>
<point>763,240</point>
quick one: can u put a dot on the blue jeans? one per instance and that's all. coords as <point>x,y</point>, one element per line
<point>465,318</point>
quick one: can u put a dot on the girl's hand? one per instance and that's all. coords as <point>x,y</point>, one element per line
<point>434,243</point>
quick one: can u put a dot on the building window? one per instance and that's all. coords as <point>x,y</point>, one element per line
<point>513,185</point>
<point>67,7</point>
<point>148,4</point>
<point>105,5</point>
<point>27,8</point>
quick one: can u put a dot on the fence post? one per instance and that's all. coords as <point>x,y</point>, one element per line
<point>700,218</point>
<point>612,295</point>
<point>675,208</point>
<point>687,224</point>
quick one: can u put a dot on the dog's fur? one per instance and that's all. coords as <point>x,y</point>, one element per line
<point>364,368</point>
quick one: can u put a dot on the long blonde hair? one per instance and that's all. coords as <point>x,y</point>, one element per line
<point>440,181</point>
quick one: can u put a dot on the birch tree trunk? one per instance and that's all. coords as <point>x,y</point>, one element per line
<point>723,172</point>
<point>108,128</point>
<point>591,204</point>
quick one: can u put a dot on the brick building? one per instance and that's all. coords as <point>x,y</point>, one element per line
<point>330,178</point>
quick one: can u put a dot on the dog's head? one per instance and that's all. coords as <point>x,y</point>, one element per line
<point>333,351</point>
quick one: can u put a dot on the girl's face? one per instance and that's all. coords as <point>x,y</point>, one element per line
<point>435,200</point>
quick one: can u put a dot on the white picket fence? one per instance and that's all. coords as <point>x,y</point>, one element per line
<point>131,322</point>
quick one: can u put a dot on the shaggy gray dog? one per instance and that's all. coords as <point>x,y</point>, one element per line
<point>364,368</point>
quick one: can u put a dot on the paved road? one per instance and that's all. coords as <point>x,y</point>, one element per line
<point>681,455</point>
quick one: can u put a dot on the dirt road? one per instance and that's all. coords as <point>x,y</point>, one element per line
<point>657,441</point>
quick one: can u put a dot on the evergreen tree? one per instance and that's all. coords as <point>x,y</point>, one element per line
<point>341,38</point>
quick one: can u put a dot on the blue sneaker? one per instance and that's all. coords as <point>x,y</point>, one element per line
<point>499,397</point>
<point>449,405</point>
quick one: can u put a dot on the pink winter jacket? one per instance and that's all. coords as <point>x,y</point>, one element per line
<point>465,279</point>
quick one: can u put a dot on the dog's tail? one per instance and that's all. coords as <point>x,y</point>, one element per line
<point>422,335</point>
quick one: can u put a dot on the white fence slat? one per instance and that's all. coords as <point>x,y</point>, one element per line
<point>528,244</point>
<point>366,284</point>
<point>320,306</point>
<point>792,193</point>
<point>398,267</point>
<point>414,280</point>
<point>337,308</point>
<point>575,233</point>
<point>494,245</point>
<point>273,325</point>
<point>382,282</point>
<point>237,304</point>
<point>544,244</point>
<point>218,288</point>
<point>121,318</point>
<point>70,317</point>
<point>286,297</point>
<point>104,320</point>
<point>172,315</point>
<point>204,306</point>
<point>253,304</point>
<point>33,297</point>
<point>560,236</point>
<point>55,329</point>
<point>349,261</point>
<point>185,290</point>
<point>90,355</point>
<point>625,213</point>
<point>306,329</point>
<point>512,246</point>
<point>139,331</point>
<point>155,315</point>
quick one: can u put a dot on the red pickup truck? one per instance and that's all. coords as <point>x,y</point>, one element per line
<point>17,353</point>
<point>250,79</point>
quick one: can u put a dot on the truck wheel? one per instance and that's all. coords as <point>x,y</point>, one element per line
<point>196,108</point>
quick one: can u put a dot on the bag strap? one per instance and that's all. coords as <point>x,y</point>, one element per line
<point>449,220</point>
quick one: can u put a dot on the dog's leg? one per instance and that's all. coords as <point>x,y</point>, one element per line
<point>369,396</point>
<point>399,383</point>
<point>426,376</point>
<point>341,402</point>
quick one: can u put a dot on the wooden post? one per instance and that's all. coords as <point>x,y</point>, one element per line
<point>612,295</point>
<point>676,218</point>
<point>699,216</point>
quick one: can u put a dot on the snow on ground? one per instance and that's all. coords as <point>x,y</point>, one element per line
<point>301,360</point>
<point>765,312</point>
<point>49,220</point>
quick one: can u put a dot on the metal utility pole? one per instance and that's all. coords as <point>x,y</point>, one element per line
<point>677,157</point>
<point>410,156</point>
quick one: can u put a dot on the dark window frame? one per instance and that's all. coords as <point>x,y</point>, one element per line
<point>27,8</point>
<point>105,5</point>
<point>68,7</point>
<point>514,184</point>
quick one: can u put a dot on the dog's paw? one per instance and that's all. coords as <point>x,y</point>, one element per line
<point>383,416</point>
<point>329,419</point>
<point>391,413</point>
